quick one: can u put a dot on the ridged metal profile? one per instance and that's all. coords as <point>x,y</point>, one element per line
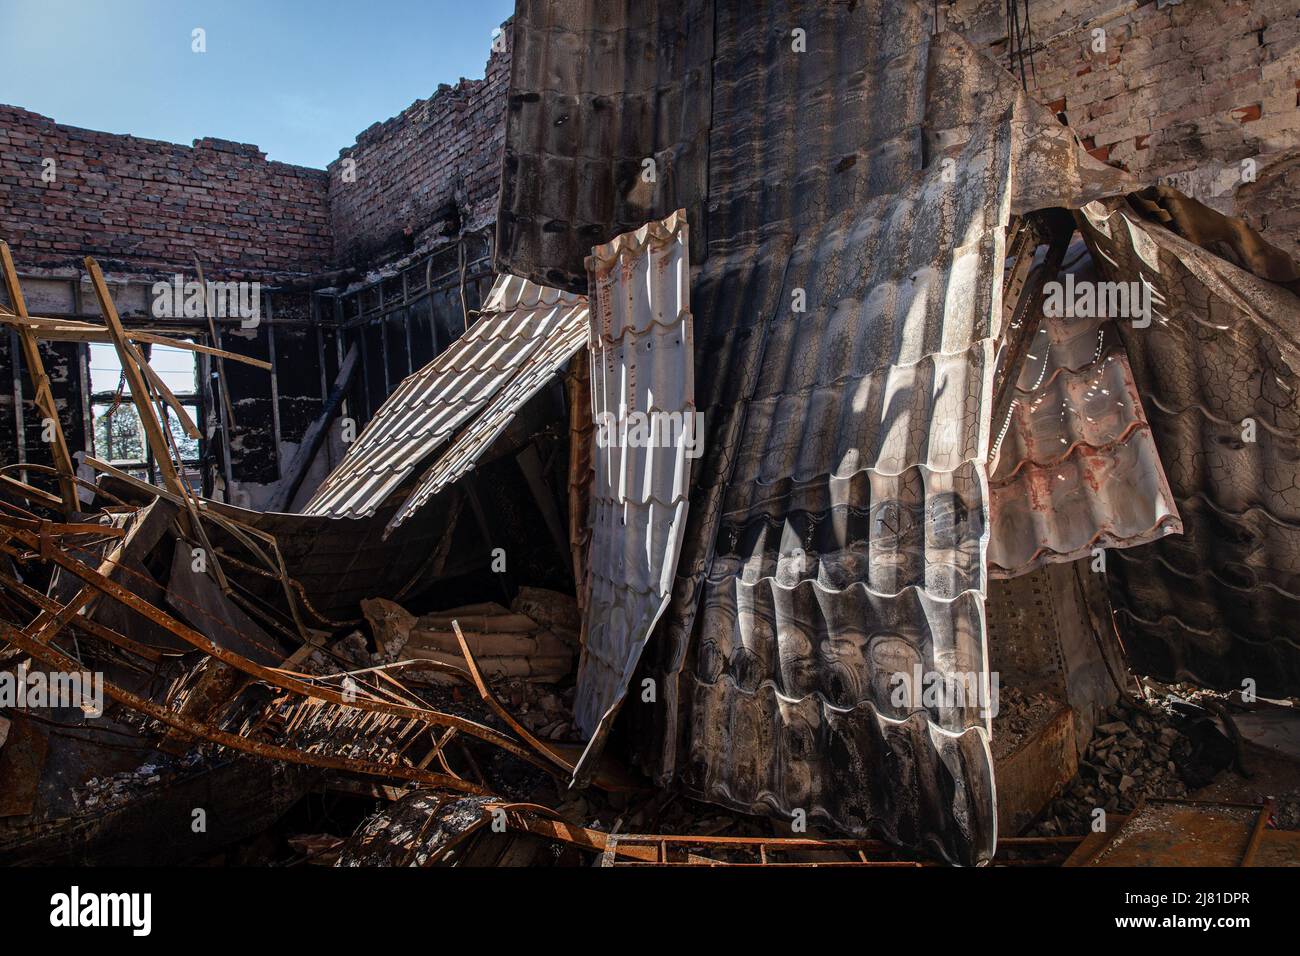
<point>474,386</point>
<point>642,364</point>
<point>1219,371</point>
<point>842,488</point>
<point>1076,466</point>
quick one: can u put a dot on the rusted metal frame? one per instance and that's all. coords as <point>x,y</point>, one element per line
<point>84,382</point>
<point>139,390</point>
<point>657,849</point>
<point>781,843</point>
<point>166,397</point>
<point>377,671</point>
<point>192,507</point>
<point>41,383</point>
<point>187,423</point>
<point>238,530</point>
<point>267,675</point>
<point>402,695</point>
<point>1025,288</point>
<point>88,625</point>
<point>436,751</point>
<point>696,861</point>
<point>500,711</point>
<point>546,823</point>
<point>86,597</point>
<point>1257,834</point>
<point>57,660</point>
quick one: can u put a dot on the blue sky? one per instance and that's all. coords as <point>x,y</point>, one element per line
<point>299,78</point>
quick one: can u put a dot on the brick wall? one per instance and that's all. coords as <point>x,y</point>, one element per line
<point>1183,92</point>
<point>146,206</point>
<point>424,174</point>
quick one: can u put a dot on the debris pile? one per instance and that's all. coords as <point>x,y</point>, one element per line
<point>582,589</point>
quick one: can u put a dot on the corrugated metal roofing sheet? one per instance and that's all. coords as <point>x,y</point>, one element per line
<point>1219,603</point>
<point>642,362</point>
<point>597,88</point>
<point>560,344</point>
<point>872,175</point>
<point>1076,466</point>
<point>513,342</point>
<point>861,524</point>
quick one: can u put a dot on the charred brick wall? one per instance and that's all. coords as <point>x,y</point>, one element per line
<point>1176,91</point>
<point>424,174</point>
<point>146,206</point>
<point>62,362</point>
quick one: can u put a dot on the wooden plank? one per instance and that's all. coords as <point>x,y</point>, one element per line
<point>187,423</point>
<point>70,330</point>
<point>44,396</point>
<point>34,495</point>
<point>139,390</point>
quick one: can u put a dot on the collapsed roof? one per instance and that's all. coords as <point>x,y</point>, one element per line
<point>854,203</point>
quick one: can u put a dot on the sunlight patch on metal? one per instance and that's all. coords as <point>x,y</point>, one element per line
<point>1076,466</point>
<point>643,404</point>
<point>520,326</point>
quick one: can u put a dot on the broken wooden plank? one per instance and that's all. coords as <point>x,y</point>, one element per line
<point>71,330</point>
<point>41,382</point>
<point>139,390</point>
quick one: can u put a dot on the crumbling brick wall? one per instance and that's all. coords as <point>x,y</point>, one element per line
<point>425,174</point>
<point>1180,91</point>
<point>145,206</point>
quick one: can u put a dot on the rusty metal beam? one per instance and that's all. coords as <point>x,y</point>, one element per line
<point>56,659</point>
<point>272,676</point>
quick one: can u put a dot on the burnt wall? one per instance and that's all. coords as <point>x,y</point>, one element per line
<point>62,361</point>
<point>423,175</point>
<point>1182,92</point>
<point>147,206</point>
